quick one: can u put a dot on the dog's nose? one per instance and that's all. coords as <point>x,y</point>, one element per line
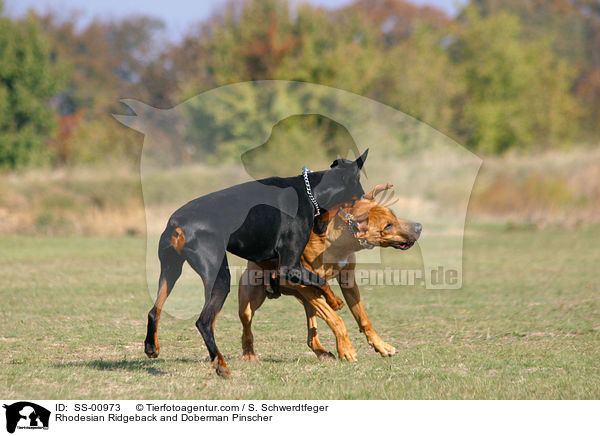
<point>417,227</point>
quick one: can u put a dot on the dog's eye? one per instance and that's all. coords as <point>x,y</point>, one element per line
<point>389,226</point>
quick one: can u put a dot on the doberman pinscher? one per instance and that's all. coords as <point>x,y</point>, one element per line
<point>268,219</point>
<point>331,255</point>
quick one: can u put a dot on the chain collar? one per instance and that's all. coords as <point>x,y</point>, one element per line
<point>305,172</point>
<point>350,221</point>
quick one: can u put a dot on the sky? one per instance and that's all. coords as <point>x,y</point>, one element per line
<point>179,15</point>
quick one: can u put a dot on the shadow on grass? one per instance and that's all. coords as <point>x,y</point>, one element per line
<point>268,359</point>
<point>150,366</point>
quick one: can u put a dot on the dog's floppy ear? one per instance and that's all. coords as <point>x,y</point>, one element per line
<point>362,217</point>
<point>378,189</point>
<point>361,159</point>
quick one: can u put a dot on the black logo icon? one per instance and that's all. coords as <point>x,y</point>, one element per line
<point>26,415</point>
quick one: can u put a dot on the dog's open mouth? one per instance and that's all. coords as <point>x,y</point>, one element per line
<point>365,244</point>
<point>396,244</point>
<point>402,245</point>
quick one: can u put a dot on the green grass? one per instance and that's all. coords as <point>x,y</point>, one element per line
<point>525,325</point>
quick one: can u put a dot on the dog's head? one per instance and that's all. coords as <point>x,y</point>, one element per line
<point>376,225</point>
<point>341,183</point>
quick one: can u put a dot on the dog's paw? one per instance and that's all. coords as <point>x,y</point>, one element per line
<point>325,356</point>
<point>385,349</point>
<point>339,302</point>
<point>348,355</point>
<point>272,286</point>
<point>221,369</point>
<point>151,350</point>
<point>220,366</point>
<point>347,352</point>
<point>334,302</point>
<point>250,358</point>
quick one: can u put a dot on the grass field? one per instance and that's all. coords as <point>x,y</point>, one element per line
<point>525,325</point>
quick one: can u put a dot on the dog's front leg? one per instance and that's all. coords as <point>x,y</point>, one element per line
<point>347,283</point>
<point>299,275</point>
<point>334,302</point>
<point>290,251</point>
<point>251,295</point>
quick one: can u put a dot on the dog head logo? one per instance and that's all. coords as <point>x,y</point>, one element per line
<point>26,415</point>
<point>247,125</point>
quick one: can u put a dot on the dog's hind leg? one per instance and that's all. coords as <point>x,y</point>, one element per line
<point>312,340</point>
<point>251,295</point>
<point>170,269</point>
<point>345,348</point>
<point>217,283</point>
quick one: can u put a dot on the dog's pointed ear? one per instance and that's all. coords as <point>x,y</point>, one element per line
<point>361,159</point>
<point>143,115</point>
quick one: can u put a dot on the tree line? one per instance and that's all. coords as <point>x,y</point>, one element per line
<point>500,75</point>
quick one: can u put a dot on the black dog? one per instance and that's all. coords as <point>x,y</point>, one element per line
<point>263,220</point>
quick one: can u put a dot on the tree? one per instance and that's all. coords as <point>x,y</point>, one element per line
<point>574,27</point>
<point>516,89</point>
<point>105,61</point>
<point>28,79</point>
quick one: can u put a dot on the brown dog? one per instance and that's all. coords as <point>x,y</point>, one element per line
<point>330,254</point>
